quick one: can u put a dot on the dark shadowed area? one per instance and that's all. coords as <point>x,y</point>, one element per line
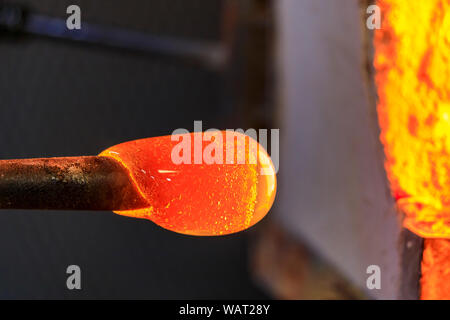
<point>63,99</point>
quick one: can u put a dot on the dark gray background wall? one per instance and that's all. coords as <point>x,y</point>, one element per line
<point>62,99</point>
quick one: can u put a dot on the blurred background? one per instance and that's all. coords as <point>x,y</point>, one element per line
<point>303,66</point>
<point>59,98</point>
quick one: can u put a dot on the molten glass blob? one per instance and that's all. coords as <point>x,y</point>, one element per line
<point>211,183</point>
<point>412,60</point>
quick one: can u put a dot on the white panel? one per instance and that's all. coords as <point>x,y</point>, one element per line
<point>333,190</point>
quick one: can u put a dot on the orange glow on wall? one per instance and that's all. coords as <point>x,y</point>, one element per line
<point>436,270</point>
<point>412,61</point>
<point>200,198</point>
<point>413,77</point>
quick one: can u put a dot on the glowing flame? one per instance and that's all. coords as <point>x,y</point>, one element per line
<point>412,60</point>
<point>413,78</point>
<point>198,197</point>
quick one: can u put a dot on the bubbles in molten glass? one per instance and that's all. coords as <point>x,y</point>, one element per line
<point>199,196</point>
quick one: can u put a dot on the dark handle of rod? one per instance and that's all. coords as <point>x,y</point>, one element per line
<point>15,19</point>
<point>70,183</point>
<point>12,17</point>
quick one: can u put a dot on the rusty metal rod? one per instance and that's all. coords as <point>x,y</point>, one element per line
<point>70,183</point>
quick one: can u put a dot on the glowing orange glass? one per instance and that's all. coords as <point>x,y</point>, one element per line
<point>198,197</point>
